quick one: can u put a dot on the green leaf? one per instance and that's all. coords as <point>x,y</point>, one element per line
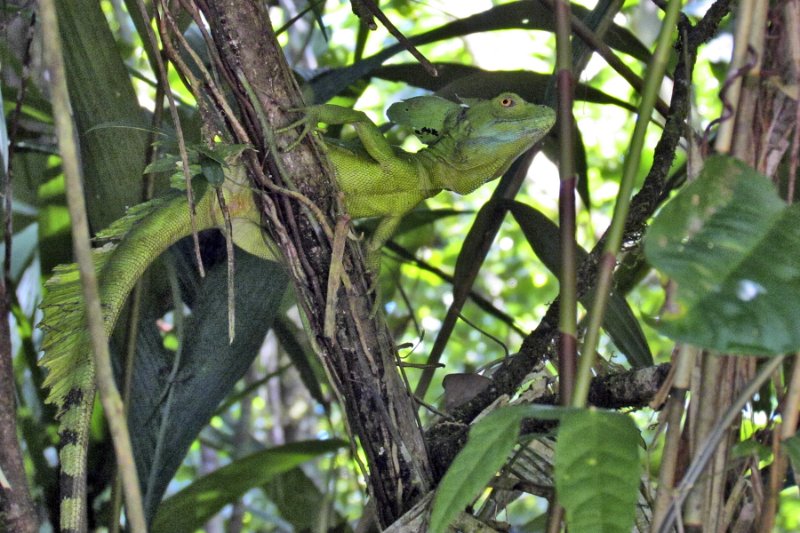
<point>212,171</point>
<point>190,508</point>
<point>210,365</point>
<point>177,180</point>
<point>731,245</point>
<point>792,448</point>
<point>168,163</point>
<point>597,471</point>
<point>619,322</point>
<point>750,448</point>
<point>490,441</point>
<point>308,367</point>
<point>221,152</point>
<point>301,503</point>
<point>101,92</point>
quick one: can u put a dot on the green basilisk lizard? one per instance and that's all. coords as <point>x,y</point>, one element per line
<point>469,144</point>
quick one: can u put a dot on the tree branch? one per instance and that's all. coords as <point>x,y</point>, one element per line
<point>539,345</point>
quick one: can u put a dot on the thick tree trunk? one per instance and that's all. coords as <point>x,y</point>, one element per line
<point>360,356</point>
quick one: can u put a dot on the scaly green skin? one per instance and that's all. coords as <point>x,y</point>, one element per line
<point>165,223</point>
<point>468,146</point>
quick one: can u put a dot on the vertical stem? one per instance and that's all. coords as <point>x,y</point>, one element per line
<point>568,308</point>
<point>684,363</point>
<point>744,16</point>
<point>706,450</point>
<point>109,395</point>
<point>782,431</point>
<point>655,75</point>
<point>16,506</point>
<point>707,414</point>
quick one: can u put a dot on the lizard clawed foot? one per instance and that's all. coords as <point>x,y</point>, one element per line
<point>308,123</point>
<point>376,302</point>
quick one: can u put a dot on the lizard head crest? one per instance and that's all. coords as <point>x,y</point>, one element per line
<point>486,137</point>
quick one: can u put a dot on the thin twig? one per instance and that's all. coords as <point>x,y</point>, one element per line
<point>109,395</point>
<point>176,120</point>
<point>373,9</point>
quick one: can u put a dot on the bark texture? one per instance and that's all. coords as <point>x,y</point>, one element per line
<point>360,357</point>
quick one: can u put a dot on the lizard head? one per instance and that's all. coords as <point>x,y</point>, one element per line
<point>487,136</point>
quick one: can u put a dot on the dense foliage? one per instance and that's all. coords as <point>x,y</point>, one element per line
<point>693,401</point>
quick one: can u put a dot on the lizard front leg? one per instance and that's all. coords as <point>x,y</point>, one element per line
<point>383,232</point>
<point>369,134</point>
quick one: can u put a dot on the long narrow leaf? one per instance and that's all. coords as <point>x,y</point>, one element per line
<point>528,15</point>
<point>620,323</point>
<point>190,508</point>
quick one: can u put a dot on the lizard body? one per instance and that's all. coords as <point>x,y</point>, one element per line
<point>468,146</point>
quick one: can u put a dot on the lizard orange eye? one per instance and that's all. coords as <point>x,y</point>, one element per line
<point>507,102</point>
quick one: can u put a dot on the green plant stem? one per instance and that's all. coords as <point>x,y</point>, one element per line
<point>568,308</point>
<point>109,395</point>
<point>654,77</point>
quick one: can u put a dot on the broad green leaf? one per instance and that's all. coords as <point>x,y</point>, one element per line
<point>597,471</point>
<point>212,171</point>
<point>490,441</point>
<point>190,508</point>
<point>792,448</point>
<point>731,245</point>
<point>751,448</point>
<point>167,163</point>
<point>302,504</point>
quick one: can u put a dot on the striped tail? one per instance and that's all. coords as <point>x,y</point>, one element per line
<point>142,235</point>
